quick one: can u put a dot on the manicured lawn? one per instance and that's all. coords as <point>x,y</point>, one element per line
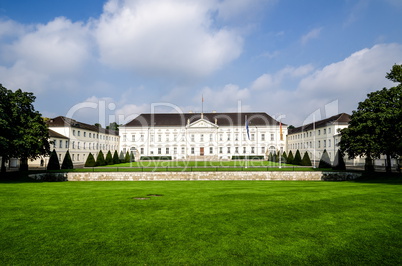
<point>208,223</point>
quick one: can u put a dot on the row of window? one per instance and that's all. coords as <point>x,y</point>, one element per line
<point>310,144</point>
<point>85,145</point>
<point>200,138</point>
<point>309,134</point>
<point>94,135</point>
<point>208,150</point>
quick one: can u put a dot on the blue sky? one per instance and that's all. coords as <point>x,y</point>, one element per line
<point>106,61</point>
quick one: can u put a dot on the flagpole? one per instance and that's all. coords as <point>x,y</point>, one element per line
<point>280,139</point>
<point>314,139</point>
<point>246,122</point>
<point>202,106</point>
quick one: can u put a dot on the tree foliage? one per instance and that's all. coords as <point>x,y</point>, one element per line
<point>339,163</point>
<point>23,132</point>
<point>90,162</point>
<point>127,157</point>
<point>290,158</point>
<point>67,162</point>
<point>325,161</point>
<point>100,159</point>
<point>116,158</point>
<point>109,158</point>
<point>306,160</point>
<point>376,126</point>
<point>297,160</point>
<point>53,163</point>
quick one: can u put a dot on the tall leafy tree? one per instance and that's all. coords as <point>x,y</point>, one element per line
<point>23,133</point>
<point>376,126</point>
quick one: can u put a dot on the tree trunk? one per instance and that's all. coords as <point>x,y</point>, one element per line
<point>388,164</point>
<point>368,166</point>
<point>24,164</point>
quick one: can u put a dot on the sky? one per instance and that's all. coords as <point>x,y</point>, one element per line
<point>108,61</point>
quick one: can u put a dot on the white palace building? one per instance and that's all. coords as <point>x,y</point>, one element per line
<point>202,136</point>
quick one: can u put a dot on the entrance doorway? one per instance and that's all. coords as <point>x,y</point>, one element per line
<point>202,151</point>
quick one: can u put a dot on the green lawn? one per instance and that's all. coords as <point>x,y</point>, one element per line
<point>208,223</point>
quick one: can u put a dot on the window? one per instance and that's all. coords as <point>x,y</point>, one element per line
<point>73,132</point>
<point>211,137</point>
<point>319,132</point>
<point>202,137</point>
<point>325,131</point>
<point>60,144</point>
<point>220,137</point>
<point>167,137</point>
<point>329,143</point>
<point>78,157</point>
<point>132,138</point>
<point>85,134</point>
<point>236,149</point>
<point>252,137</point>
<point>220,150</point>
<point>159,138</point>
<point>252,150</point>
<point>167,150</point>
<point>152,138</point>
<point>244,150</point>
<point>211,150</point>
<point>159,150</point>
<point>228,150</point>
<point>79,133</point>
<point>262,150</point>
<point>192,150</point>
<point>73,144</point>
<point>142,137</point>
<point>124,138</point>
<point>175,137</point>
<point>272,137</point>
<point>325,143</point>
<point>192,137</point>
<point>262,137</point>
<point>319,144</point>
<point>228,136</point>
<point>73,157</point>
<point>175,150</point>
<point>236,137</point>
<point>84,145</point>
<point>90,135</point>
<point>329,130</point>
<point>183,150</point>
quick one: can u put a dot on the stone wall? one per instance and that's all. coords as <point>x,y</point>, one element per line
<point>189,176</point>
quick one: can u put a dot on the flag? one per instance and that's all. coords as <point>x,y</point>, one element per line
<point>247,129</point>
<point>280,129</point>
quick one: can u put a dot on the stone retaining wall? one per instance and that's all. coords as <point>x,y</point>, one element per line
<point>189,176</point>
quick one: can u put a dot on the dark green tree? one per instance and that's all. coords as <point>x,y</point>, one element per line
<point>115,158</point>
<point>285,157</point>
<point>339,163</point>
<point>113,126</point>
<point>127,157</point>
<point>325,161</point>
<point>306,160</point>
<point>23,132</point>
<point>90,162</point>
<point>297,160</point>
<point>290,158</point>
<point>132,157</point>
<point>121,157</point>
<point>53,163</point>
<point>67,162</point>
<point>109,158</point>
<point>376,126</point>
<point>100,159</point>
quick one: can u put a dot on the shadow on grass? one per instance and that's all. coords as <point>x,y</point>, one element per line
<point>381,178</point>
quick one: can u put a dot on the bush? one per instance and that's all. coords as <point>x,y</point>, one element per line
<point>132,157</point>
<point>121,157</point>
<point>339,163</point>
<point>100,159</point>
<point>90,161</point>
<point>67,162</point>
<point>53,161</point>
<point>306,160</point>
<point>109,158</point>
<point>290,158</point>
<point>116,158</point>
<point>54,177</point>
<point>325,162</point>
<point>285,157</point>
<point>247,157</point>
<point>156,158</point>
<point>297,160</point>
<point>127,157</point>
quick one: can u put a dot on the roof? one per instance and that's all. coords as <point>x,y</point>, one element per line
<point>54,134</point>
<point>222,119</point>
<point>62,121</point>
<point>339,119</point>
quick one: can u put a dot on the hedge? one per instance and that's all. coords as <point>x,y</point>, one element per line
<point>155,158</point>
<point>248,157</point>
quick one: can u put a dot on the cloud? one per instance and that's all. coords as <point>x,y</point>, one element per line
<point>225,98</point>
<point>165,38</point>
<point>313,34</point>
<point>45,54</point>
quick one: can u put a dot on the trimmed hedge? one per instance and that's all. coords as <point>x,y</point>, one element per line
<point>53,163</point>
<point>90,161</point>
<point>325,161</point>
<point>247,157</point>
<point>67,162</point>
<point>155,158</point>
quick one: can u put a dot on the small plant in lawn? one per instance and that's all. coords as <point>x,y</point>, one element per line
<point>67,162</point>
<point>325,161</point>
<point>53,161</point>
<point>116,158</point>
<point>90,161</point>
<point>109,158</point>
<point>100,159</point>
<point>339,163</point>
<point>306,160</point>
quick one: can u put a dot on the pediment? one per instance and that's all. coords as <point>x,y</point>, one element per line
<point>202,123</point>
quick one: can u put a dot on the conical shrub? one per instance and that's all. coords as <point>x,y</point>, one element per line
<point>67,162</point>
<point>116,158</point>
<point>325,161</point>
<point>53,161</point>
<point>306,160</point>
<point>339,163</point>
<point>109,158</point>
<point>297,160</point>
<point>90,161</point>
<point>100,159</point>
<point>290,158</point>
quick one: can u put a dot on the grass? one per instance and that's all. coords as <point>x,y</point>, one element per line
<point>208,223</point>
<point>235,163</point>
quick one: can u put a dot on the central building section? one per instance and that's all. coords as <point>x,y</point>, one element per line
<point>197,136</point>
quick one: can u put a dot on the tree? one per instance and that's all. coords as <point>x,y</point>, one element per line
<point>90,161</point>
<point>53,161</point>
<point>67,162</point>
<point>376,126</point>
<point>127,158</point>
<point>132,157</point>
<point>100,159</point>
<point>325,161</point>
<point>109,158</point>
<point>297,160</point>
<point>290,158</point>
<point>306,160</point>
<point>116,158</point>
<point>113,126</point>
<point>23,132</point>
<point>121,157</point>
<point>285,157</point>
<point>339,163</point>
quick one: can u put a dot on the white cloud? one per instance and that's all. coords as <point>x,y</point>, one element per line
<point>313,34</point>
<point>164,38</point>
<point>225,98</point>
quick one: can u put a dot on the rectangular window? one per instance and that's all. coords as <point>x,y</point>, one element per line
<point>159,150</point>
<point>272,137</point>
<point>142,137</point>
<point>202,137</point>
<point>90,135</point>
<point>262,150</point>
<point>73,132</point>
<point>329,143</point>
<point>174,150</point>
<point>78,145</point>
<point>220,150</point>
<point>152,138</point>
<point>124,138</point>
<point>133,138</point>
<point>262,137</point>
<point>85,134</point>
<point>211,150</point>
<point>183,150</point>
<point>192,138</point>
<point>142,150</point>
<point>319,144</point>
<point>79,133</point>
<point>211,137</point>
<point>244,150</point>
<point>319,132</point>
<point>236,149</point>
<point>236,137</point>
<point>167,150</point>
<point>220,137</point>
<point>73,157</point>
<point>60,144</point>
<point>252,150</point>
<point>252,137</point>
<point>159,138</point>
<point>228,136</point>
<point>192,150</point>
<point>325,131</point>
<point>325,143</point>
<point>228,150</point>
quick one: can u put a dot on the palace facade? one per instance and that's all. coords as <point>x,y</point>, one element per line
<point>207,136</point>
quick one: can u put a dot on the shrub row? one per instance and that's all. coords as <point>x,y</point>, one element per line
<point>247,157</point>
<point>54,162</point>
<point>109,160</point>
<point>156,158</point>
